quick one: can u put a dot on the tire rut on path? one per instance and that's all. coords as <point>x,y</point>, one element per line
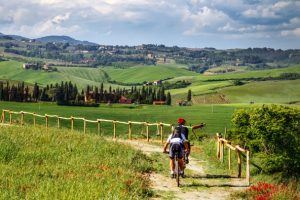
<point>197,185</point>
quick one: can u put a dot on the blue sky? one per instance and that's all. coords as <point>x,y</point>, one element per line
<point>221,24</point>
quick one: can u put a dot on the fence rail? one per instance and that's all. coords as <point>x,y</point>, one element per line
<point>221,143</point>
<point>160,125</point>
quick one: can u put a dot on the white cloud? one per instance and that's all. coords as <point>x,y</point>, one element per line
<point>204,18</point>
<point>60,18</point>
<point>260,12</point>
<point>295,32</point>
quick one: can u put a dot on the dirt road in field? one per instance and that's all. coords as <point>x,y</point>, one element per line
<point>196,185</point>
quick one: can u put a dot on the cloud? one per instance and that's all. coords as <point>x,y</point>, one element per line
<point>60,18</point>
<point>203,20</point>
<point>148,20</point>
<point>295,33</point>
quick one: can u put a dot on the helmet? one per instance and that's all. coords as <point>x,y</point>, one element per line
<point>181,121</point>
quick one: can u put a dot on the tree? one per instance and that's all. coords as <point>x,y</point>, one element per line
<point>168,99</point>
<point>272,133</point>
<point>189,95</point>
<point>36,92</point>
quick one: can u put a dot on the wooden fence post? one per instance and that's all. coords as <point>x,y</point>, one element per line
<point>99,126</point>
<point>161,132</point>
<point>239,161</point>
<point>218,145</point>
<point>129,130</point>
<point>115,134</point>
<point>46,117</point>
<point>229,157</point>
<point>22,118</point>
<point>58,122</point>
<point>72,123</point>
<point>84,126</point>
<point>3,116</point>
<point>147,131</point>
<point>248,167</point>
<point>34,119</point>
<point>222,151</point>
<point>10,117</point>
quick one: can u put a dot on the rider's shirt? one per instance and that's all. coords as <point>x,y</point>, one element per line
<point>176,139</point>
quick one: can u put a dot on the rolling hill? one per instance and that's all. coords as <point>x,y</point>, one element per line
<point>63,39</point>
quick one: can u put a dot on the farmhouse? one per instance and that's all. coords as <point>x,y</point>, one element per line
<point>157,82</point>
<point>159,102</point>
<point>34,66</point>
<point>48,67</point>
<point>124,100</point>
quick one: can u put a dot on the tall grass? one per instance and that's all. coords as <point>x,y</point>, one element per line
<point>58,164</point>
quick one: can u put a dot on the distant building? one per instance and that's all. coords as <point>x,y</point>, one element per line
<point>159,102</point>
<point>184,103</point>
<point>48,67</point>
<point>124,100</point>
<point>87,61</point>
<point>157,82</point>
<point>34,66</point>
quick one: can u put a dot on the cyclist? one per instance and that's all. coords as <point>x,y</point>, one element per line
<point>184,130</point>
<point>176,141</point>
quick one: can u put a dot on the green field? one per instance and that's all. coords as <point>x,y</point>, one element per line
<point>264,92</point>
<point>217,117</point>
<point>141,73</point>
<point>35,164</point>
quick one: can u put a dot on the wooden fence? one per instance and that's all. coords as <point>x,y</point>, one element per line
<point>98,122</point>
<point>221,144</point>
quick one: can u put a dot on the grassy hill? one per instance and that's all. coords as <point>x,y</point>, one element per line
<point>58,164</point>
<point>13,70</point>
<point>257,91</point>
<point>200,84</point>
<point>264,92</point>
<point>141,73</point>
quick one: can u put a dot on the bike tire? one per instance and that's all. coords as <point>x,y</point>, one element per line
<point>177,170</point>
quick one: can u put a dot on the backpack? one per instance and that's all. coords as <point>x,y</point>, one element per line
<point>183,130</point>
<point>176,133</point>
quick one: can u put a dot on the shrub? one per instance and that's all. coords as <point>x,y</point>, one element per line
<point>267,191</point>
<point>272,133</point>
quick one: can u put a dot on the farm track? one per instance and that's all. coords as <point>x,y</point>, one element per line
<point>196,185</point>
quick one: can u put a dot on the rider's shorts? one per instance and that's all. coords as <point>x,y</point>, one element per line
<point>176,147</point>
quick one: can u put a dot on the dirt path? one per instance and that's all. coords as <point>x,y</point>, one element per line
<point>196,185</point>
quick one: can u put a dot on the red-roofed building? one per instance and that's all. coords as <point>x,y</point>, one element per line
<point>125,100</point>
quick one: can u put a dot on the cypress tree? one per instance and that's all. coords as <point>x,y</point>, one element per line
<point>189,95</point>
<point>168,99</point>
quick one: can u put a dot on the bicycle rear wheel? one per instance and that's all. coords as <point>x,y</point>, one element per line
<point>177,170</point>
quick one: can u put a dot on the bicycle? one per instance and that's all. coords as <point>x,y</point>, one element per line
<point>176,170</point>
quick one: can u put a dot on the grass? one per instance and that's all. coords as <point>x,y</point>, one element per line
<point>57,164</point>
<point>217,117</point>
<point>141,73</point>
<point>13,70</point>
<point>264,92</point>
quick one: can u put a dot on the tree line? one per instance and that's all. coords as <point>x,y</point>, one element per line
<point>67,93</point>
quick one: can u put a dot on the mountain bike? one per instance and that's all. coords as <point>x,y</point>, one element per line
<point>177,168</point>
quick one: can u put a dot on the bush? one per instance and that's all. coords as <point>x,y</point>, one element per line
<point>272,134</point>
<point>267,191</point>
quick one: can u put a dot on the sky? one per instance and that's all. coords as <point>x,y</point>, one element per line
<point>221,24</point>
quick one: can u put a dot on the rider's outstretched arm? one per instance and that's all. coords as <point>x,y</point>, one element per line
<point>166,146</point>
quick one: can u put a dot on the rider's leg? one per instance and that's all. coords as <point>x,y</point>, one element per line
<point>181,164</point>
<point>172,165</point>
